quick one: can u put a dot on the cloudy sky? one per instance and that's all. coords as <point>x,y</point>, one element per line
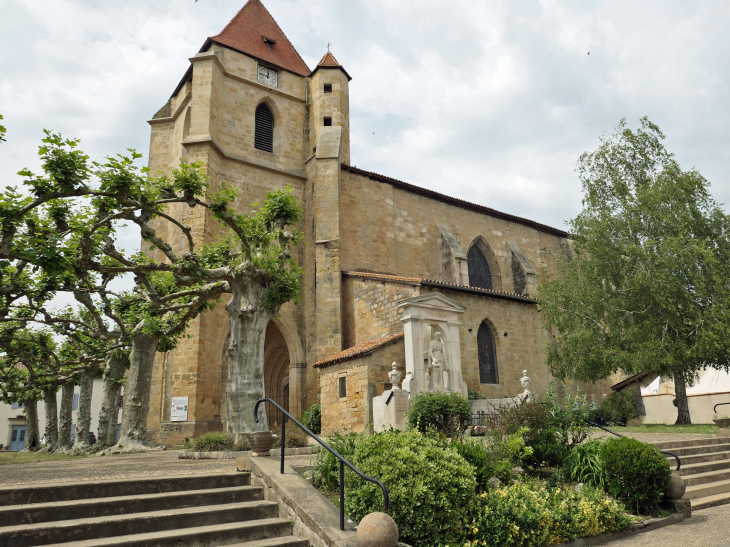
<point>489,101</point>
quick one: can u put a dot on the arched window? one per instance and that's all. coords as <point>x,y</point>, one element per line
<point>487,355</point>
<point>480,275</point>
<point>264,134</point>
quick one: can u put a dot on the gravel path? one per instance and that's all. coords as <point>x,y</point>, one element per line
<point>655,437</point>
<point>124,466</point>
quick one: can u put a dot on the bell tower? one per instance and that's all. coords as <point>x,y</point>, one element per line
<point>330,103</point>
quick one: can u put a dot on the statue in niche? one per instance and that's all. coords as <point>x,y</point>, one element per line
<point>438,366</point>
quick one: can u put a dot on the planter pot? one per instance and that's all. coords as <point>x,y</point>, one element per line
<point>723,423</point>
<point>260,442</point>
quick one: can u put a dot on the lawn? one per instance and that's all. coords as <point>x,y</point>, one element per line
<point>707,429</point>
<point>7,458</point>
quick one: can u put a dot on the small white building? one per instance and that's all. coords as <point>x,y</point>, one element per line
<point>14,426</point>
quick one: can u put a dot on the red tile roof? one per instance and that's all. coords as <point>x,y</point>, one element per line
<point>246,33</point>
<point>329,61</point>
<point>455,201</point>
<point>358,351</point>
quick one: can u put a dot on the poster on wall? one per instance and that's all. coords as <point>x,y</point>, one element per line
<point>179,412</point>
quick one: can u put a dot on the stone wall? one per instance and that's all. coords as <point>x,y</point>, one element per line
<point>370,306</point>
<point>365,377</point>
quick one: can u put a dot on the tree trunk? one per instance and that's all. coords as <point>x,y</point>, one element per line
<point>65,417</point>
<point>49,401</point>
<point>248,320</point>
<point>32,435</point>
<point>639,400</point>
<point>137,393</point>
<point>83,414</point>
<point>681,402</point>
<point>109,414</point>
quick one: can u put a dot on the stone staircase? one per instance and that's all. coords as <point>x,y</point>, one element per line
<point>193,510</point>
<point>705,469</point>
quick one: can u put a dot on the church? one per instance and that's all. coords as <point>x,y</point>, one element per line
<point>389,266</point>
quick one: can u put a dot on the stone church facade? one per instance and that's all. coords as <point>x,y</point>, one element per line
<point>252,112</point>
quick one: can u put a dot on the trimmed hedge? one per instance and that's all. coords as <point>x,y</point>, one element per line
<point>635,473</point>
<point>444,412</point>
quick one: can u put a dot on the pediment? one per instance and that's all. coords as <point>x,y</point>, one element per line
<point>434,301</point>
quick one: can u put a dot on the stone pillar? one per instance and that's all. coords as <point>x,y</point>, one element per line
<point>413,336</point>
<point>297,372</point>
<point>453,346</point>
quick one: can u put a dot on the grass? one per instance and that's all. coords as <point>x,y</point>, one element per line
<point>8,458</point>
<point>707,429</point>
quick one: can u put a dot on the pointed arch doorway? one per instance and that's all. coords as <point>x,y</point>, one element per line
<point>276,375</point>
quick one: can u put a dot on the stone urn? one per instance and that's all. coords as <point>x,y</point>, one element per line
<point>260,442</point>
<point>722,423</point>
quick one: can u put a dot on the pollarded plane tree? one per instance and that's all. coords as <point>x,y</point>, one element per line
<point>648,286</point>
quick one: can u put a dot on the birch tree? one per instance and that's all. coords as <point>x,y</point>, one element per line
<point>648,288</point>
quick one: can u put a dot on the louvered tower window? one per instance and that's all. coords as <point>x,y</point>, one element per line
<point>264,135</point>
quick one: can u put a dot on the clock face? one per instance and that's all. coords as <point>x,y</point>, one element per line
<point>268,76</point>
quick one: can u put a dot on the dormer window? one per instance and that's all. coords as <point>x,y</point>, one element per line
<point>328,88</point>
<point>268,41</point>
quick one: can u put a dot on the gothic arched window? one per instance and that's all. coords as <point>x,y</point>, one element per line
<point>487,355</point>
<point>264,133</point>
<point>480,275</point>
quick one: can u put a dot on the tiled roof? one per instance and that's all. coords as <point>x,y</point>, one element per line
<point>455,201</point>
<point>628,381</point>
<point>513,296</point>
<point>329,61</point>
<point>246,33</point>
<point>384,277</point>
<point>358,351</point>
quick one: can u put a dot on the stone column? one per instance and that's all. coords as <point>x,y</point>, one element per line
<point>454,352</point>
<point>297,372</point>
<point>413,338</point>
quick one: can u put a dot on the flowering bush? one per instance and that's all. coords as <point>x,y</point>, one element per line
<point>532,515</point>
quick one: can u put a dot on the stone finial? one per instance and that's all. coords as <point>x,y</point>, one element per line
<point>395,375</point>
<point>377,530</point>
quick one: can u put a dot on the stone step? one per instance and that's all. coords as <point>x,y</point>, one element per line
<point>699,449</point>
<point>708,489</point>
<point>272,532</point>
<point>13,515</point>
<point>707,477</point>
<point>77,530</point>
<point>689,470</point>
<point>702,458</point>
<point>64,491</point>
<point>710,501</point>
<point>668,445</point>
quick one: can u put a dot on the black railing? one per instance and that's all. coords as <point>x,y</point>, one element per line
<point>714,409</point>
<point>665,452</point>
<point>343,461</point>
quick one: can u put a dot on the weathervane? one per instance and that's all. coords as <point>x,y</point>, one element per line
<point>328,46</point>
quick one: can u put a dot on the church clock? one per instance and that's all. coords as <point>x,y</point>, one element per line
<point>268,76</point>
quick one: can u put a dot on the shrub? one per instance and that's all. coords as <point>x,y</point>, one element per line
<point>213,442</point>
<point>430,485</point>
<point>636,473</point>
<point>326,473</point>
<point>493,460</point>
<point>532,515</point>
<point>312,418</point>
<point>444,412</point>
<point>583,464</point>
<point>475,394</point>
<point>618,407</point>
<point>295,438</point>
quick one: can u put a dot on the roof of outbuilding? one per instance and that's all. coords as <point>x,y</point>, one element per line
<point>250,30</point>
<point>358,351</point>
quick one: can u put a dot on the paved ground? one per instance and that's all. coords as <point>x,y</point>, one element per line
<point>707,528</point>
<point>656,437</point>
<point>127,466</point>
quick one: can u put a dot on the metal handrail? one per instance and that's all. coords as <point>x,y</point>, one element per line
<point>714,409</point>
<point>666,452</point>
<point>343,461</point>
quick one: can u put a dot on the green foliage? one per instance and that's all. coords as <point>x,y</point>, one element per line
<point>213,442</point>
<point>445,412</point>
<point>430,485</point>
<point>583,464</point>
<point>295,438</point>
<point>636,473</point>
<point>532,515</point>
<point>326,474</point>
<point>618,407</point>
<point>475,394</point>
<point>312,418</point>
<point>553,425</point>
<point>2,130</point>
<point>646,289</point>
